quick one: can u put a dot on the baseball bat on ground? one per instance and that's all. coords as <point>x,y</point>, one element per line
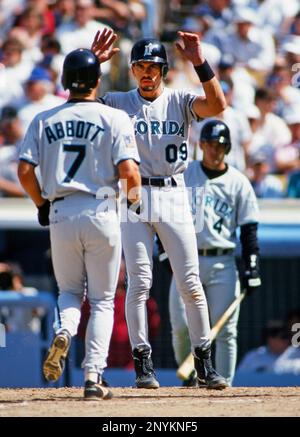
<point>187,366</point>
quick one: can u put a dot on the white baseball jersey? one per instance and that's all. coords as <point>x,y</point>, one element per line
<point>161,128</point>
<point>78,146</point>
<point>228,201</point>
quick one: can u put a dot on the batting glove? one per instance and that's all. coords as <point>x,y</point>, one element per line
<point>43,213</point>
<point>251,277</point>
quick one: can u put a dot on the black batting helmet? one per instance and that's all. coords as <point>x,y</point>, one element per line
<point>216,130</point>
<point>150,50</point>
<point>81,71</point>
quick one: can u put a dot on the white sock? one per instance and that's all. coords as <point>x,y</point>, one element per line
<point>92,376</point>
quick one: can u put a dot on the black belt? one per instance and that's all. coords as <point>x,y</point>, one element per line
<point>215,252</point>
<point>160,182</point>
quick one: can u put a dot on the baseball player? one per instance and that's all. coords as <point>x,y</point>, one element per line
<point>82,149</point>
<point>161,119</point>
<point>228,201</point>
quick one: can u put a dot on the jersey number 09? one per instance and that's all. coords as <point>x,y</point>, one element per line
<point>173,153</point>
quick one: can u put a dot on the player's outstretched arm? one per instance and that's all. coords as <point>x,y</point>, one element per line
<point>214,101</point>
<point>102,45</point>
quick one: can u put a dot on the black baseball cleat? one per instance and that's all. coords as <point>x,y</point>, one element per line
<point>54,363</point>
<point>205,371</point>
<point>94,391</point>
<point>145,375</point>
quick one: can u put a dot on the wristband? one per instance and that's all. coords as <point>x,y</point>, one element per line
<point>204,72</point>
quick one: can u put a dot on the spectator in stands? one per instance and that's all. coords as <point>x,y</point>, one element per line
<point>64,12</point>
<point>197,25</point>
<point>239,127</point>
<point>293,188</point>
<point>80,31</point>
<point>263,358</point>
<point>243,82</point>
<point>217,12</point>
<point>265,185</point>
<point>125,16</point>
<point>292,318</point>
<point>271,132</point>
<point>290,50</point>
<point>15,70</point>
<point>289,360</point>
<point>18,318</point>
<point>29,28</point>
<point>183,75</point>
<point>53,61</point>
<point>288,157</point>
<point>291,159</point>
<point>252,47</point>
<point>12,134</point>
<point>286,96</point>
<point>39,93</point>
<point>293,30</point>
<point>8,10</point>
<point>42,8</point>
<point>11,277</point>
<point>275,15</point>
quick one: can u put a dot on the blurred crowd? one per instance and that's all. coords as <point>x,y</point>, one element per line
<point>280,352</point>
<point>253,46</point>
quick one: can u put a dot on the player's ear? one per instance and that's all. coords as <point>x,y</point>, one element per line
<point>200,145</point>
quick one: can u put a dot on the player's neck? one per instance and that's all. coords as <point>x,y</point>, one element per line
<point>221,166</point>
<point>90,96</point>
<point>212,174</point>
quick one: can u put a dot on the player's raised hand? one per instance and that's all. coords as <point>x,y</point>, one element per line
<point>191,49</point>
<point>102,45</point>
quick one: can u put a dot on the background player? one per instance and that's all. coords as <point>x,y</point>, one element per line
<point>228,202</point>
<point>81,147</point>
<point>161,118</point>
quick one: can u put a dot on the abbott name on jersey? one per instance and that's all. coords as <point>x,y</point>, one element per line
<point>71,129</point>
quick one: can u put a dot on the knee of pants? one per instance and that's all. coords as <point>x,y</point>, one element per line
<point>191,296</point>
<point>104,302</point>
<point>140,283</point>
<point>189,284</point>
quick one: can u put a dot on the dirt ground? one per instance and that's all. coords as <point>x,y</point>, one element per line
<point>163,402</point>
